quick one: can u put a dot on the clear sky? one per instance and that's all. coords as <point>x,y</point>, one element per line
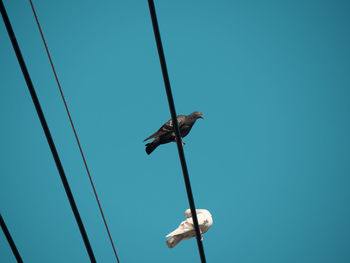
<point>271,160</point>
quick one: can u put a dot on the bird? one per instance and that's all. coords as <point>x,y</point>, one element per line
<point>186,228</point>
<point>166,133</point>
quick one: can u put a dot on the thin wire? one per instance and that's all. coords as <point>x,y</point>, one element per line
<point>10,240</point>
<point>176,127</point>
<point>74,130</point>
<point>46,131</point>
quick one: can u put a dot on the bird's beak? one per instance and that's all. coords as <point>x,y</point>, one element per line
<point>201,117</point>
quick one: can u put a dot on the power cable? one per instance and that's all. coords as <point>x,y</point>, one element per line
<point>176,128</point>
<point>74,130</point>
<point>10,240</point>
<point>46,130</point>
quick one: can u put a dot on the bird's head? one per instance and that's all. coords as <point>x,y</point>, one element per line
<point>197,115</point>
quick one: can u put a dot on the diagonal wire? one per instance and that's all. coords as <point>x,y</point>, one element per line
<point>46,131</point>
<point>74,130</point>
<point>10,240</point>
<point>176,127</point>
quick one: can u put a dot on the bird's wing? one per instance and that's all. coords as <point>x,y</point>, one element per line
<point>168,127</point>
<point>202,218</point>
<point>181,120</point>
<point>183,228</point>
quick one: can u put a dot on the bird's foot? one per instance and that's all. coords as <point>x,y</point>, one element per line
<point>182,142</point>
<point>201,234</point>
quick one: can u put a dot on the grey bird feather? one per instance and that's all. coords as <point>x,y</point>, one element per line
<point>166,133</point>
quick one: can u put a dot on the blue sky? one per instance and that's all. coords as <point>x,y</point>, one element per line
<point>271,160</point>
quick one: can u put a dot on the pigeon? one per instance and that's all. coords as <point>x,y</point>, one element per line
<point>166,133</point>
<point>186,228</point>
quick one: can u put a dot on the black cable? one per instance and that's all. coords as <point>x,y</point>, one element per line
<point>176,127</point>
<point>10,240</point>
<point>46,130</point>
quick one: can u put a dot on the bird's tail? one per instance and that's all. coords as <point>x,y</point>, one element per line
<point>173,241</point>
<point>150,147</point>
